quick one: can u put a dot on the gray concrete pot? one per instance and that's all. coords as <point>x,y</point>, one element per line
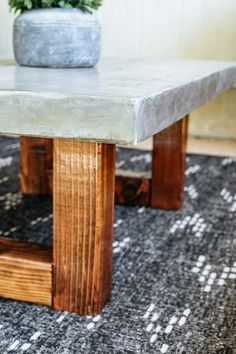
<point>57,38</point>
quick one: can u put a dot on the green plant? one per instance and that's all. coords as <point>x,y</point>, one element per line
<point>21,5</point>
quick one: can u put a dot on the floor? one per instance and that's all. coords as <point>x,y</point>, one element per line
<point>174,273</point>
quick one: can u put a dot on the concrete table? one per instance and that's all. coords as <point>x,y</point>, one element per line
<point>78,115</point>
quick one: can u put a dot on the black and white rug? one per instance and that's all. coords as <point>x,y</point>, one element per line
<point>174,273</point>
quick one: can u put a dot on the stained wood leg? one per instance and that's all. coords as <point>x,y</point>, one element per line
<point>168,166</point>
<point>83,207</point>
<point>35,161</point>
<point>164,190</point>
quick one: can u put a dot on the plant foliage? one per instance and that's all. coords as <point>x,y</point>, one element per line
<point>22,5</point>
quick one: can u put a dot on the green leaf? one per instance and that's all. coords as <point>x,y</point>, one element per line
<point>21,5</point>
<point>61,3</point>
<point>68,6</point>
<point>28,4</point>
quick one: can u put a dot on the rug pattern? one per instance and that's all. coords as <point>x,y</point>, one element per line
<point>174,273</point>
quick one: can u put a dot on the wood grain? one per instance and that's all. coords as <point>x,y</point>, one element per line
<point>35,160</point>
<point>132,188</point>
<point>25,271</point>
<point>83,206</point>
<point>164,190</point>
<point>168,166</point>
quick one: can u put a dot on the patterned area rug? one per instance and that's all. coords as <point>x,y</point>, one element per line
<point>174,276</point>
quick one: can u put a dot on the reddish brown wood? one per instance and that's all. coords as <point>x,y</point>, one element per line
<point>25,271</point>
<point>165,191</point>
<point>49,177</point>
<point>35,160</point>
<point>83,206</point>
<point>168,166</point>
<point>132,189</point>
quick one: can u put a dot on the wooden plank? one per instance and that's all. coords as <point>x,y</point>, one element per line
<point>168,166</point>
<point>35,160</point>
<point>133,174</point>
<point>83,207</point>
<point>132,188</point>
<point>25,271</point>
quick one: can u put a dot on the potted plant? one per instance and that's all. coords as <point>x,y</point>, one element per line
<point>56,33</point>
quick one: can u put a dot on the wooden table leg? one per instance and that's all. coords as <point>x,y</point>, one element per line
<point>168,166</point>
<point>83,207</point>
<point>35,161</point>
<point>164,190</point>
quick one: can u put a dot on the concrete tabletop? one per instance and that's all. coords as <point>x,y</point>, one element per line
<point>119,101</point>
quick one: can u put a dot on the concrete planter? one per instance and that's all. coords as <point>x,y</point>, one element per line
<point>57,38</point>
